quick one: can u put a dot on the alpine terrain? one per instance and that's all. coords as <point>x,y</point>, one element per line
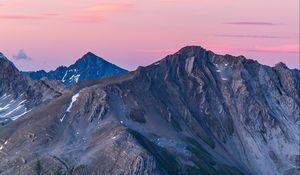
<point>19,94</point>
<point>192,113</point>
<point>89,66</point>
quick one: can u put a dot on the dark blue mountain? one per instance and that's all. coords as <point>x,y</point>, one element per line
<point>89,66</point>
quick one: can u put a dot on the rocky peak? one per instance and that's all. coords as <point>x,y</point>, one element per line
<point>5,61</point>
<point>281,65</point>
<point>90,60</point>
<point>8,72</point>
<point>191,50</point>
<point>19,94</point>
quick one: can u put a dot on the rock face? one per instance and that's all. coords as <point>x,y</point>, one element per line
<point>193,112</point>
<point>19,94</point>
<point>89,66</point>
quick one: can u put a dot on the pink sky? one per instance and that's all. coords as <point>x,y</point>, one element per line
<point>138,32</point>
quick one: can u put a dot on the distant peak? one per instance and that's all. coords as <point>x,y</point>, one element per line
<point>90,58</point>
<point>89,54</point>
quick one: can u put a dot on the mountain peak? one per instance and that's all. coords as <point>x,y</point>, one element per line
<point>191,50</point>
<point>90,58</point>
<point>281,65</point>
<point>88,66</point>
<point>2,56</point>
<point>6,60</point>
<point>90,54</point>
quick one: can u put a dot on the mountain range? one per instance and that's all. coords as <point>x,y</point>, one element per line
<point>192,113</point>
<point>89,66</point>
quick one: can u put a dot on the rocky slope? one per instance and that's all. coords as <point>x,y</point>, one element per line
<point>89,66</point>
<point>194,112</point>
<point>19,94</point>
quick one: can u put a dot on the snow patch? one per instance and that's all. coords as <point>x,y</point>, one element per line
<point>64,78</point>
<point>62,119</point>
<point>12,111</point>
<point>71,78</point>
<point>5,96</point>
<point>22,102</point>
<point>74,99</point>
<point>157,63</point>
<point>16,117</point>
<point>5,107</point>
<point>76,78</point>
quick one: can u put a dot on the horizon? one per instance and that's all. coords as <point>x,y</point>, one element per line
<point>107,59</point>
<point>132,33</point>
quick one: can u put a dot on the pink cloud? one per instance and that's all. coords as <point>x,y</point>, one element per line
<point>191,1</point>
<point>255,36</point>
<point>23,17</point>
<point>90,18</point>
<point>99,12</point>
<point>291,48</point>
<point>255,23</point>
<point>183,0</point>
<point>161,51</point>
<point>109,7</point>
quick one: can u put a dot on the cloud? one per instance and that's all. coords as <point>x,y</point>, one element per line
<point>255,36</point>
<point>109,7</point>
<point>160,51</point>
<point>174,1</point>
<point>289,48</point>
<point>90,18</point>
<point>26,17</point>
<point>99,12</point>
<point>253,23</point>
<point>21,55</point>
<point>192,1</point>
